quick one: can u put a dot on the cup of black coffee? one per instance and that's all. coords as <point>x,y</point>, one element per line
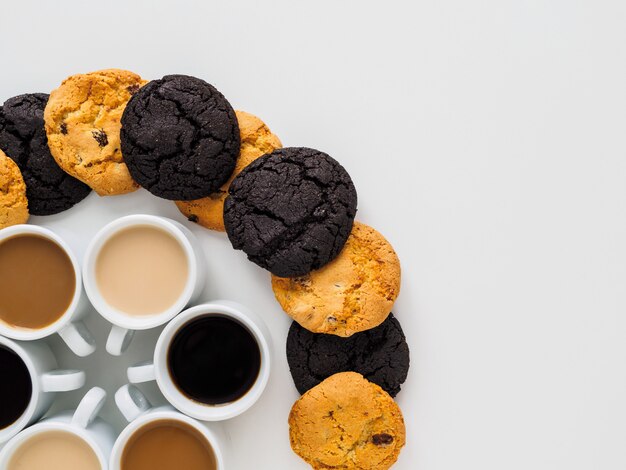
<point>29,381</point>
<point>212,362</point>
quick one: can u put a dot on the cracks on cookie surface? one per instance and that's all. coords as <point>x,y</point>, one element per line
<point>286,238</point>
<point>180,138</point>
<point>23,138</point>
<point>381,355</point>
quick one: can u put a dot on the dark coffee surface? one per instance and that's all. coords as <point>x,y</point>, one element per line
<point>214,360</point>
<point>15,387</point>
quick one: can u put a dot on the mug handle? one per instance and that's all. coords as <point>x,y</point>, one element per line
<point>119,340</point>
<point>78,338</point>
<point>142,372</point>
<point>131,402</point>
<point>89,407</point>
<point>62,380</point>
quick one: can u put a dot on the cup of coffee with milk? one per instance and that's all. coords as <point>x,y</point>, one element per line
<point>140,272</point>
<point>41,293</point>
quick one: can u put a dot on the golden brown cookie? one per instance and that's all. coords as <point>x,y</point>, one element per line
<point>352,293</point>
<point>13,202</point>
<point>347,422</point>
<point>83,126</point>
<point>256,140</point>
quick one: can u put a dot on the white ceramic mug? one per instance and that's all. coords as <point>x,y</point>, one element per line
<point>158,368</point>
<point>83,423</point>
<point>139,412</point>
<point>45,379</point>
<point>124,325</point>
<point>69,326</point>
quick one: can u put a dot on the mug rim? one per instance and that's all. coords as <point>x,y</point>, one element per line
<point>18,425</point>
<point>29,334</point>
<point>196,409</point>
<point>39,428</point>
<point>157,414</point>
<point>114,315</point>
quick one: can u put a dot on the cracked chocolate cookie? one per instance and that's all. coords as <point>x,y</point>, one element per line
<point>352,293</point>
<point>13,202</point>
<point>381,355</point>
<point>82,120</point>
<point>23,138</point>
<point>291,211</point>
<point>180,138</point>
<point>256,140</point>
<point>347,422</point>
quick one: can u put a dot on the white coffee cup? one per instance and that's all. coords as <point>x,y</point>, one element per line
<point>139,412</point>
<point>46,382</point>
<point>124,325</point>
<point>69,326</point>
<point>83,423</point>
<point>158,368</point>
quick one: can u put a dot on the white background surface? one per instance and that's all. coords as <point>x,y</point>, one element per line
<point>487,141</point>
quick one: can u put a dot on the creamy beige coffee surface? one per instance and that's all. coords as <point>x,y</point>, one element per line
<point>141,270</point>
<point>54,450</point>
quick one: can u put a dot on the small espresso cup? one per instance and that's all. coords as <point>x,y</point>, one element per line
<point>140,414</point>
<point>31,367</point>
<point>69,325</point>
<point>85,440</point>
<point>160,369</point>
<point>126,323</point>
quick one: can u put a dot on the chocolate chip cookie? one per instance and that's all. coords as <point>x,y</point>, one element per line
<point>291,211</point>
<point>381,355</point>
<point>83,125</point>
<point>347,422</point>
<point>354,292</point>
<point>180,138</point>
<point>23,138</point>
<point>256,140</point>
<point>13,202</point>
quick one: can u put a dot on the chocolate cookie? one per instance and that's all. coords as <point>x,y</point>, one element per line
<point>352,293</point>
<point>291,211</point>
<point>381,355</point>
<point>83,126</point>
<point>180,138</point>
<point>13,202</point>
<point>23,138</point>
<point>345,423</point>
<point>256,140</point>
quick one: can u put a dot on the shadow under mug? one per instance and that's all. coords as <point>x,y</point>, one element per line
<point>139,412</point>
<point>125,325</point>
<point>83,423</point>
<point>46,382</point>
<point>69,326</point>
<point>158,369</point>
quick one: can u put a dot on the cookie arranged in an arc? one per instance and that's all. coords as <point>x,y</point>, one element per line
<point>256,140</point>
<point>291,211</point>
<point>347,422</point>
<point>83,125</point>
<point>13,202</point>
<point>381,355</point>
<point>23,138</point>
<point>180,138</point>
<point>354,292</point>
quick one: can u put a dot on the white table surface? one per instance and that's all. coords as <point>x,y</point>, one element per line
<point>487,141</point>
